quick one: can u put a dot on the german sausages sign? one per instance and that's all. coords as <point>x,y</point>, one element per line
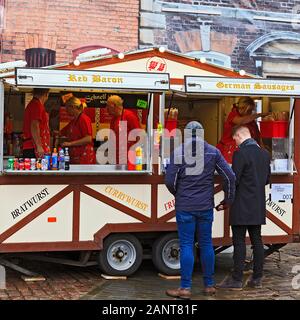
<point>93,79</point>
<point>241,86</point>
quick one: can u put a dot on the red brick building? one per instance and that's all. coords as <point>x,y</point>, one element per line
<point>54,31</point>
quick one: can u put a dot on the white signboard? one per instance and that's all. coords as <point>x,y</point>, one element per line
<point>241,86</point>
<point>46,78</point>
<point>282,191</point>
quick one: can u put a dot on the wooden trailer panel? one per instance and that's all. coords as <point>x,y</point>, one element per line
<point>84,214</point>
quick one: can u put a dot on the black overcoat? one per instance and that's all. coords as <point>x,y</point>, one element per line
<point>251,165</point>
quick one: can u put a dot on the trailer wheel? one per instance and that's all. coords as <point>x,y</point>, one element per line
<point>166,254</point>
<point>121,255</point>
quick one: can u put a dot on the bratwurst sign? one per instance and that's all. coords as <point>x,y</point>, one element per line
<point>93,79</point>
<point>241,86</point>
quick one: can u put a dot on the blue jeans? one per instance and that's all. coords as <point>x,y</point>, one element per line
<point>187,224</point>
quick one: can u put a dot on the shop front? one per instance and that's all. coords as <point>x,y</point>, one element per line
<point>122,212</point>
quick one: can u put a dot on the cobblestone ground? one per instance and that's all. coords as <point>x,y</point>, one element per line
<point>72,283</point>
<point>62,282</point>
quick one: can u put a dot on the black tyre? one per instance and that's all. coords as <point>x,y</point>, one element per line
<point>166,254</point>
<point>121,255</point>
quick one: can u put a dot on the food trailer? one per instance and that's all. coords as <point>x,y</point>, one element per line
<point>121,215</point>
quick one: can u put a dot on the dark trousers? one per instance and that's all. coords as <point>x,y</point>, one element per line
<point>239,254</point>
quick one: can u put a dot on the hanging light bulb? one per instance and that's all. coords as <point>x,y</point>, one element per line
<point>162,49</point>
<point>242,72</point>
<point>121,55</point>
<point>76,62</point>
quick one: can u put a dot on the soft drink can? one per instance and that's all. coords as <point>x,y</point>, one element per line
<point>44,164</point>
<point>21,164</point>
<point>10,164</point>
<point>32,164</point>
<point>16,164</point>
<point>27,164</point>
<point>39,164</point>
<point>48,158</point>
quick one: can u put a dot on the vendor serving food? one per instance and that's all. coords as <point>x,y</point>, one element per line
<point>79,134</point>
<point>241,114</point>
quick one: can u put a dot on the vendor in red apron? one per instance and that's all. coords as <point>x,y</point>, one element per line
<point>114,106</point>
<point>36,133</point>
<point>79,134</point>
<point>241,114</point>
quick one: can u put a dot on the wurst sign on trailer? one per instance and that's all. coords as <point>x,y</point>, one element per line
<point>254,87</point>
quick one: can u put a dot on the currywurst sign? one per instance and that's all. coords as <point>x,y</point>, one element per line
<point>241,86</point>
<point>93,79</point>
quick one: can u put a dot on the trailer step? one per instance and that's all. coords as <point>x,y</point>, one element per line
<point>33,278</point>
<point>108,277</point>
<point>164,276</point>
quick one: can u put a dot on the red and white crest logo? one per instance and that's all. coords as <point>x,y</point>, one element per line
<point>156,64</point>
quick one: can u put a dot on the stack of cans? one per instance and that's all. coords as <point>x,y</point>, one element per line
<point>23,164</point>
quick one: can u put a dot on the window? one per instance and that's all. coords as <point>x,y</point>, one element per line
<point>217,58</point>
<point>40,57</point>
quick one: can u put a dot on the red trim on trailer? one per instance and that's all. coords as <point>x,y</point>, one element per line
<point>218,188</point>
<point>296,195</point>
<point>81,179</point>
<point>131,227</point>
<point>278,222</point>
<point>76,212</point>
<point>154,207</point>
<point>167,216</point>
<point>155,53</point>
<point>226,224</point>
<point>48,246</point>
<point>177,81</point>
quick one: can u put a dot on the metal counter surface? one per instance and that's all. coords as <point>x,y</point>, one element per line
<point>82,169</point>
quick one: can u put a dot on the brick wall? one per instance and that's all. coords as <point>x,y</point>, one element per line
<point>64,25</point>
<point>264,5</point>
<point>231,32</point>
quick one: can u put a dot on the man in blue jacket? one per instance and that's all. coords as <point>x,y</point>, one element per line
<point>192,184</point>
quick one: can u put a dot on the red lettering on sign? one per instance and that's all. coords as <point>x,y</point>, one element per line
<point>156,64</point>
<point>169,205</point>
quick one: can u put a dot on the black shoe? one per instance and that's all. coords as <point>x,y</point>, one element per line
<point>230,284</point>
<point>255,283</point>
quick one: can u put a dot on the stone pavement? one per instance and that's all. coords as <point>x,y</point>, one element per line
<point>62,282</point>
<point>72,283</point>
<point>145,284</point>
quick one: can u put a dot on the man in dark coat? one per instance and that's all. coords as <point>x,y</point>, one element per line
<point>251,165</point>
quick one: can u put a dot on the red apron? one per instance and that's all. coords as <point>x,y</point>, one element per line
<point>36,111</point>
<point>227,145</point>
<point>132,123</point>
<point>75,130</point>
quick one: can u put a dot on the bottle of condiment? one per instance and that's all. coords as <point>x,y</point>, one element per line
<point>54,159</point>
<point>157,135</point>
<point>139,159</point>
<point>67,159</point>
<point>61,159</point>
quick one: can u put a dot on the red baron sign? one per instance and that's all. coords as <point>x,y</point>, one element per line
<point>156,64</point>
